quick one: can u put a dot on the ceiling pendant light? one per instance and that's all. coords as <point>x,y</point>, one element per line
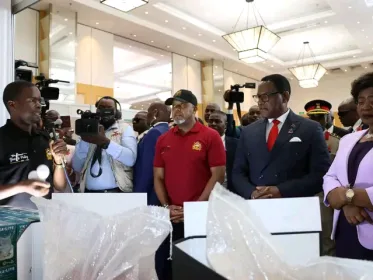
<point>125,5</point>
<point>308,75</point>
<point>252,44</point>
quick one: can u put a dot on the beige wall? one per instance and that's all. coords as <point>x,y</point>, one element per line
<point>334,88</point>
<point>94,66</point>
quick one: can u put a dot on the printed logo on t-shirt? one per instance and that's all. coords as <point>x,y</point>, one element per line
<point>197,146</point>
<point>48,154</point>
<point>18,157</point>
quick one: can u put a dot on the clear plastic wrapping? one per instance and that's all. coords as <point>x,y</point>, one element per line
<point>240,248</point>
<point>82,245</point>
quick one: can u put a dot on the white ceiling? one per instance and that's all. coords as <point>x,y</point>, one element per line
<point>339,31</point>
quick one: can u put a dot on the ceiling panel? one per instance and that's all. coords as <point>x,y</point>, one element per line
<point>289,47</point>
<point>224,14</point>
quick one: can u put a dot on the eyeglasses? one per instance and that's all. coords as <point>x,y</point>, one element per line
<point>264,97</point>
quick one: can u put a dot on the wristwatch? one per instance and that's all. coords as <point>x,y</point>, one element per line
<point>349,194</point>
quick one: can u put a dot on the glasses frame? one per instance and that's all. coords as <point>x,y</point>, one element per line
<point>258,98</point>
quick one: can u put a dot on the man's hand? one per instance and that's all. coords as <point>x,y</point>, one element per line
<point>356,215</point>
<point>263,192</point>
<point>58,149</point>
<point>99,139</point>
<point>176,213</point>
<point>34,187</point>
<point>337,198</point>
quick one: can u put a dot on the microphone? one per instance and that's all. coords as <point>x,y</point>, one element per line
<point>51,126</point>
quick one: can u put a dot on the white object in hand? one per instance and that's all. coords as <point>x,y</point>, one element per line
<point>33,175</point>
<point>42,172</point>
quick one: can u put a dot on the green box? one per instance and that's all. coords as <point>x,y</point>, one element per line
<point>13,222</point>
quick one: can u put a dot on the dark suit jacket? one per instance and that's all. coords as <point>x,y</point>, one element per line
<point>143,170</point>
<point>296,168</point>
<point>340,131</point>
<point>232,130</point>
<point>230,151</point>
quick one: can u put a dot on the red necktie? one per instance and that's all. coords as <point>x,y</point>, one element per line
<point>273,134</point>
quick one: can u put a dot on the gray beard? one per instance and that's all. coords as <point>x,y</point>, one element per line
<point>178,122</point>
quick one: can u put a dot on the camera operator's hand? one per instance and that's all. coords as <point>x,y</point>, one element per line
<point>99,139</point>
<point>227,98</point>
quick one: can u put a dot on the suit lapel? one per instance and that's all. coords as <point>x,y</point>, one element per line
<point>286,133</point>
<point>260,139</point>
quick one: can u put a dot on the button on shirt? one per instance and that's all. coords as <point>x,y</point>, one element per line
<point>124,153</point>
<point>21,153</point>
<point>187,159</point>
<point>281,119</point>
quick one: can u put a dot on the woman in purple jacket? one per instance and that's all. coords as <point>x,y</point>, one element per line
<point>348,185</point>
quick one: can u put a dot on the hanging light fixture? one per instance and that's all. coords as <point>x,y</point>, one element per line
<point>125,5</point>
<point>308,75</point>
<point>252,44</point>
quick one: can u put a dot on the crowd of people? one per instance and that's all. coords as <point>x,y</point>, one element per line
<point>174,157</point>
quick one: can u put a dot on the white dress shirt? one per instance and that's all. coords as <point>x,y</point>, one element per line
<point>223,139</point>
<point>331,129</point>
<point>281,119</point>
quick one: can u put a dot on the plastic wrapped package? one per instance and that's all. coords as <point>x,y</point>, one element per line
<point>82,245</point>
<point>240,248</point>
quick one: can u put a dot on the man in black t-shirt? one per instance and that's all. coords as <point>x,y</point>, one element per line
<point>23,148</point>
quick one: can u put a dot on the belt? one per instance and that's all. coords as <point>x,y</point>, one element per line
<point>115,190</point>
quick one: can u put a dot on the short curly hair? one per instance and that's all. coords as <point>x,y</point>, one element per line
<point>363,82</point>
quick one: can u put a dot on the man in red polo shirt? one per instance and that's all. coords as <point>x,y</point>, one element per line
<point>189,160</point>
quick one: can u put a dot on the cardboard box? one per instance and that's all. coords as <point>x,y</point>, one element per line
<point>13,223</point>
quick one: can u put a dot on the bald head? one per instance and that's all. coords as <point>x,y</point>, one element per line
<point>158,112</point>
<point>210,108</point>
<point>139,122</point>
<point>347,112</point>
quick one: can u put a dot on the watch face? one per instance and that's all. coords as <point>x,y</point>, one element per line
<point>350,194</point>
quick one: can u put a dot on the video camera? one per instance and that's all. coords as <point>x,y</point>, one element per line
<point>47,92</point>
<point>234,95</point>
<point>89,122</point>
<point>23,74</point>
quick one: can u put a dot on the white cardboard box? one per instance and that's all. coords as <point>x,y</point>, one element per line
<point>30,245</point>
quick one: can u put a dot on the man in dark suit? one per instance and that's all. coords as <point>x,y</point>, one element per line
<point>218,122</point>
<point>288,156</point>
<point>157,118</point>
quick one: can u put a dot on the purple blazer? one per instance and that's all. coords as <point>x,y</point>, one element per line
<point>337,176</point>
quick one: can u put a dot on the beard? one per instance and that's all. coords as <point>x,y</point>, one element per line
<point>178,122</point>
<point>107,122</point>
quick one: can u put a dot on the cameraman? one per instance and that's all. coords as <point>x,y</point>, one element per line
<point>232,130</point>
<point>24,148</point>
<point>105,160</point>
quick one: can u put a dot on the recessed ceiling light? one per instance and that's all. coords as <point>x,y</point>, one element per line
<point>71,33</point>
<point>291,78</point>
<point>326,73</point>
<point>151,41</point>
<point>358,22</point>
<point>97,23</point>
<point>199,34</point>
<point>194,55</point>
<point>166,21</point>
<point>272,66</point>
<point>168,47</point>
<point>366,67</point>
<point>219,89</point>
<point>213,41</point>
<point>162,55</point>
<point>146,12</point>
<point>326,21</point>
<point>184,28</point>
<point>349,7</point>
<point>66,19</point>
<point>367,37</point>
<point>354,56</point>
<point>370,43</point>
<point>130,46</point>
<point>362,30</point>
<point>345,70</point>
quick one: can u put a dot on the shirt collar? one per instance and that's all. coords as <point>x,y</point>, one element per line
<point>331,129</point>
<point>281,118</point>
<point>15,130</point>
<point>196,128</point>
<point>357,124</point>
